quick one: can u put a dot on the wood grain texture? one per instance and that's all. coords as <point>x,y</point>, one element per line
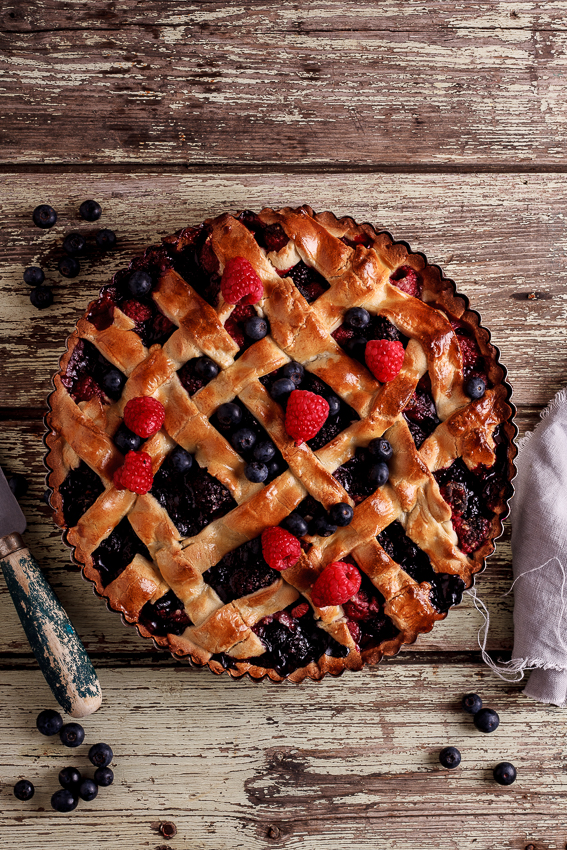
<point>323,82</point>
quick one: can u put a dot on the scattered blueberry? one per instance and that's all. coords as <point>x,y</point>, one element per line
<point>264,451</point>
<point>112,382</point>
<point>139,283</point>
<point>229,414</point>
<point>334,405</point>
<point>44,216</point>
<point>450,757</point>
<point>294,371</point>
<point>357,317</point>
<point>323,527</point>
<point>486,720</point>
<point>180,461</point>
<point>101,754</point>
<point>256,328</point>
<point>49,722</point>
<point>69,266</point>
<point>126,440</point>
<point>504,773</point>
<point>472,703</point>
<point>88,790</point>
<point>64,801</point>
<point>70,778</point>
<point>72,735</point>
<point>380,448</point>
<point>295,524</point>
<point>24,790</point>
<point>90,210</point>
<point>103,776</point>
<point>256,472</point>
<point>475,387</point>
<point>206,368</point>
<point>105,239</point>
<point>379,474</point>
<point>18,484</point>
<point>74,243</point>
<point>34,276</point>
<point>341,514</point>
<point>243,440</point>
<point>41,297</point>
<point>282,387</point>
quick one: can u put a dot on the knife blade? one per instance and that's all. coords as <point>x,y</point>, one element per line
<point>57,647</point>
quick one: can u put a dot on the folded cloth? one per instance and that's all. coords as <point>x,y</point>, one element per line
<point>539,557</point>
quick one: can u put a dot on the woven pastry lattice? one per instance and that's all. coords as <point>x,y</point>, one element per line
<point>357,264</point>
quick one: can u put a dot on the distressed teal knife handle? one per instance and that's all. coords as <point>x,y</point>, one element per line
<point>55,644</point>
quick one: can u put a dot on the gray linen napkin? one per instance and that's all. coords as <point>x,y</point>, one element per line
<point>539,555</point>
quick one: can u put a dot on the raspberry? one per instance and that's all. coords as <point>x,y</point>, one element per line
<point>360,607</point>
<point>471,532</point>
<point>233,329</point>
<point>300,610</point>
<point>280,549</point>
<point>242,312</point>
<point>136,310</point>
<point>305,415</point>
<point>384,358</point>
<point>406,279</point>
<point>160,326</point>
<point>144,416</point>
<point>241,283</point>
<point>342,334</point>
<point>275,237</point>
<point>336,584</point>
<point>355,631</point>
<point>136,474</point>
<point>85,388</point>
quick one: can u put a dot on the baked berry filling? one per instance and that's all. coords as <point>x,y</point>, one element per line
<point>307,279</point>
<point>165,616</point>
<point>117,551</point>
<point>197,373</point>
<point>191,496</point>
<point>79,491</point>
<point>193,258</point>
<point>354,475</point>
<point>90,374</point>
<point>241,572</point>
<point>446,591</point>
<point>270,237</point>
<point>309,517</point>
<point>474,364</point>
<point>362,239</point>
<point>420,413</point>
<point>292,642</point>
<point>463,489</point>
<point>353,339</point>
<point>408,280</point>
<point>242,330</point>
<point>367,622</point>
<point>247,437</point>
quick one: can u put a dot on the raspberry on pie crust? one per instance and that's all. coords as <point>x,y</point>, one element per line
<point>218,566</point>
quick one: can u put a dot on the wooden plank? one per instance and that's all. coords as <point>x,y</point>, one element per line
<point>248,766</point>
<point>216,84</point>
<point>498,236</point>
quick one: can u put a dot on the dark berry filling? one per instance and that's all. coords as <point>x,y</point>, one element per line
<point>117,551</point>
<point>367,622</point>
<point>408,280</point>
<point>362,239</point>
<point>270,237</point>
<point>193,498</point>
<point>464,491</point>
<point>89,374</point>
<point>192,378</point>
<point>309,282</point>
<point>494,479</point>
<point>165,616</point>
<point>474,364</point>
<point>420,413</point>
<point>241,572</point>
<point>404,552</point>
<point>79,491</point>
<point>313,513</point>
<point>247,448</point>
<point>236,325</point>
<point>353,340</point>
<point>354,475</point>
<point>446,591</point>
<point>193,258</point>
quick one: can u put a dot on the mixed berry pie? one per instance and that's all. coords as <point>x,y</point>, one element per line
<point>280,444</point>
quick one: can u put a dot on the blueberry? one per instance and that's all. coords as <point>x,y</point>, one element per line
<point>88,790</point>
<point>139,283</point>
<point>90,210</point>
<point>341,514</point>
<point>70,778</point>
<point>180,461</point>
<point>450,757</point>
<point>72,735</point>
<point>475,387</point>
<point>68,266</point>
<point>256,472</point>
<point>357,317</point>
<point>356,346</point>
<point>323,527</point>
<point>379,474</point>
<point>74,243</point>
<point>486,720</point>
<point>294,371</point>
<point>18,484</point>
<point>295,524</point>
<point>41,297</point>
<point>44,216</point>
<point>243,440</point>
<point>112,382</point>
<point>281,388</point>
<point>24,789</point>
<point>256,328</point>
<point>206,368</point>
<point>105,239</point>
<point>380,448</point>
<point>504,773</point>
<point>229,414</point>
<point>472,703</point>
<point>103,776</point>
<point>273,469</point>
<point>264,451</point>
<point>49,722</point>
<point>334,405</point>
<point>126,440</point>
<point>101,754</point>
<point>34,276</point>
<point>64,801</point>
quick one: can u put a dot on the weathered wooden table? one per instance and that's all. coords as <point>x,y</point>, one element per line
<point>441,122</point>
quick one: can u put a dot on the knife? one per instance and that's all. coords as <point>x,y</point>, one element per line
<point>55,644</point>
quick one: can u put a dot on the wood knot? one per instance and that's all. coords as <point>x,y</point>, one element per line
<point>530,847</point>
<point>166,828</point>
<point>274,831</point>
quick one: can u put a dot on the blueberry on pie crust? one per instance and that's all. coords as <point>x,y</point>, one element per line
<point>280,444</point>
